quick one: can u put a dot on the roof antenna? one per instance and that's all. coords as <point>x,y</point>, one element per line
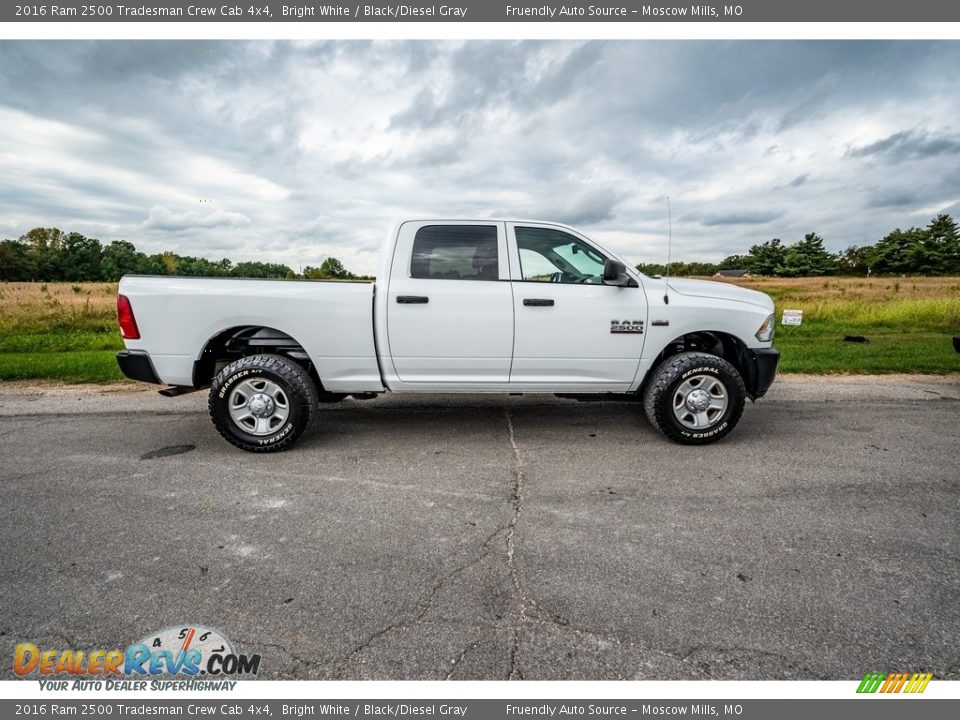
<point>666,275</point>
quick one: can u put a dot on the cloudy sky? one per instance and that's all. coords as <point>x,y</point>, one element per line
<point>292,152</point>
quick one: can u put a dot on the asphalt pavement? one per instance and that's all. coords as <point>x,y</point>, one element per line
<point>492,537</point>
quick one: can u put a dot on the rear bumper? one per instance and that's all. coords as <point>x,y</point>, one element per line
<point>763,369</point>
<point>136,365</point>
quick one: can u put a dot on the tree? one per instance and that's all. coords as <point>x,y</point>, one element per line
<point>943,239</point>
<point>44,248</point>
<point>171,263</point>
<point>330,269</point>
<point>262,270</point>
<point>807,257</point>
<point>121,258</point>
<point>16,264</point>
<point>733,262</point>
<point>891,254</point>
<point>651,269</point>
<point>79,258</point>
<point>855,260</point>
<point>764,259</point>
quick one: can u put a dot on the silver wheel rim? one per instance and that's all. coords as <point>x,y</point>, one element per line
<point>258,406</point>
<point>700,401</point>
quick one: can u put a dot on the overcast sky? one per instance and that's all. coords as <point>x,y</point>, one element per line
<point>293,152</point>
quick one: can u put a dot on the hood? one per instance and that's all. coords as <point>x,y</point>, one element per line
<point>720,291</point>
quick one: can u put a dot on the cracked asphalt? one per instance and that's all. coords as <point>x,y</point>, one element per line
<point>476,537</point>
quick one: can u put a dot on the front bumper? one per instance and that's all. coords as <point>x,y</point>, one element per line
<point>763,369</point>
<point>136,365</point>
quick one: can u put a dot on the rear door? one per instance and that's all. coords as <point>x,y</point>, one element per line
<point>450,304</point>
<point>571,329</point>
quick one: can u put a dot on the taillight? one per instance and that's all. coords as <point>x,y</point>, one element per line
<point>128,323</point>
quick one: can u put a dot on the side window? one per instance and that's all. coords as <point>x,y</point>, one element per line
<point>455,252</point>
<point>548,255</point>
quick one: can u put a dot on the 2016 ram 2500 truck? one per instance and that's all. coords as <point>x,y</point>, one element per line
<point>458,306</point>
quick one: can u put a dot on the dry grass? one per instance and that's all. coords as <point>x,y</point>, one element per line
<point>64,331</point>
<point>38,307</point>
<point>68,331</point>
<point>902,304</point>
<point>831,289</point>
<point>908,322</point>
<point>16,297</point>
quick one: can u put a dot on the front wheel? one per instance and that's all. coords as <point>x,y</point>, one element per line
<point>262,403</point>
<point>694,398</point>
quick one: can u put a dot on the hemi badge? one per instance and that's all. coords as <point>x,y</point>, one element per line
<point>660,323</point>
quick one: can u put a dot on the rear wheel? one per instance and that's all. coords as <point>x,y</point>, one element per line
<point>262,403</point>
<point>694,398</point>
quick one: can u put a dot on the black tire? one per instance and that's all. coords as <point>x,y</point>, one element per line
<point>296,389</point>
<point>663,391</point>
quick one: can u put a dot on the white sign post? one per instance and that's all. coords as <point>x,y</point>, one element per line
<point>791,317</point>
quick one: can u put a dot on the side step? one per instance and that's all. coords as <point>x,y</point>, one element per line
<point>176,390</point>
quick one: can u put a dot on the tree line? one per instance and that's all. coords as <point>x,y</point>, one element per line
<point>933,250</point>
<point>50,255</point>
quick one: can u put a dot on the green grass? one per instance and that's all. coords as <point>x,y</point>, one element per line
<point>52,331</point>
<point>910,335</point>
<point>63,341</point>
<point>83,366</point>
<point>59,331</point>
<point>824,352</point>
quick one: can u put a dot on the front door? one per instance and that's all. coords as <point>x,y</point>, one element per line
<point>571,329</point>
<point>450,305</point>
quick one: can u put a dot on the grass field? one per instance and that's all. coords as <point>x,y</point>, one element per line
<point>908,322</point>
<point>59,331</point>
<point>68,332</point>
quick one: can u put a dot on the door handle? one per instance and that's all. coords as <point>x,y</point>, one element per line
<point>413,299</point>
<point>537,302</point>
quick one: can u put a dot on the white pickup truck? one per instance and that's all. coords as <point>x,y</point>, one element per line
<point>461,306</point>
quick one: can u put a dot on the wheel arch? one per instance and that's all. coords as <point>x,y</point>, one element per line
<point>239,341</point>
<point>715,342</point>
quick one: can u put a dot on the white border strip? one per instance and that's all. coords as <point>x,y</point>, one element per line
<point>148,30</point>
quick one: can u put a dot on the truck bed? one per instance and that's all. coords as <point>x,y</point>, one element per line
<point>333,321</point>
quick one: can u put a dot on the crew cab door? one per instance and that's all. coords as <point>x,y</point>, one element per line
<point>571,330</point>
<point>450,305</point>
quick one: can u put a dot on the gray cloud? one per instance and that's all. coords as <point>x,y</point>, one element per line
<point>952,210</point>
<point>909,144</point>
<point>893,198</point>
<point>797,181</point>
<point>295,151</point>
<point>743,217</point>
<point>587,207</point>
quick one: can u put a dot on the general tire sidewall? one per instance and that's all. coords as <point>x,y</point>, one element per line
<point>290,428</point>
<point>734,407</point>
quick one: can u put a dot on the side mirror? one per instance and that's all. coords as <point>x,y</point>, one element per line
<point>615,273</point>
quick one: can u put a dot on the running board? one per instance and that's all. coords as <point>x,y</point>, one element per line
<point>176,390</point>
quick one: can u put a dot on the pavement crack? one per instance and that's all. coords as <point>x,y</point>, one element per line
<point>426,604</point>
<point>520,593</point>
<point>729,656</point>
<point>300,661</point>
<point>460,658</point>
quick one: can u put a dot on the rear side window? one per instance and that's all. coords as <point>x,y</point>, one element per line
<point>455,252</point>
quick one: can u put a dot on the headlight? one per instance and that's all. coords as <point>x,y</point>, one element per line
<point>765,333</point>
